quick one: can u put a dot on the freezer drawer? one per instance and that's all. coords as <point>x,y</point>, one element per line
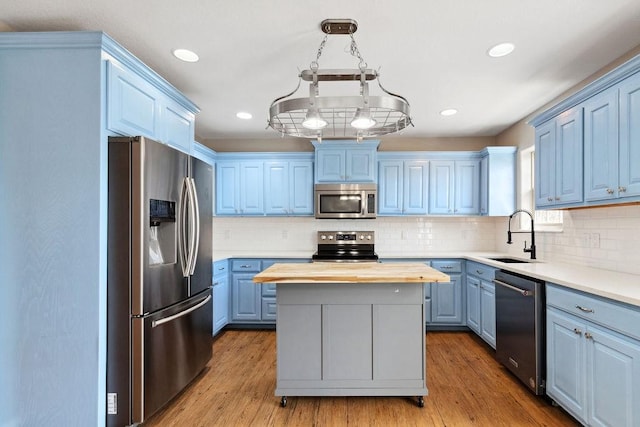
<point>170,348</point>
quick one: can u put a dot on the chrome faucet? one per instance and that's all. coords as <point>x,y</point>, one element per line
<point>532,248</point>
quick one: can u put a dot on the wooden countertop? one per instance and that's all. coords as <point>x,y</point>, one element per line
<point>365,272</point>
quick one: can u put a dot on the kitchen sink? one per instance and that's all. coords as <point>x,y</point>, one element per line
<point>510,260</point>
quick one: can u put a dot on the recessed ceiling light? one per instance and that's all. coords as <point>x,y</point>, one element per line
<point>186,55</point>
<point>448,112</point>
<point>243,115</point>
<point>502,49</point>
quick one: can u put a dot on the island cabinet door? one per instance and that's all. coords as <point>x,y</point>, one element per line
<point>398,342</point>
<point>299,341</point>
<point>346,342</point>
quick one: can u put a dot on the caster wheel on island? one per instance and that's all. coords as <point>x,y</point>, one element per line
<point>283,401</point>
<point>420,402</point>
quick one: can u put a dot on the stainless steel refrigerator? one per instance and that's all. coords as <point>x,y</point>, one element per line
<point>159,313</point>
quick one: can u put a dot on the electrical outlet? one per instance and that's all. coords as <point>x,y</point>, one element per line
<point>595,240</point>
<point>112,403</point>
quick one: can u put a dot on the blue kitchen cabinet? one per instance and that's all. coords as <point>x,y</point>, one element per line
<point>264,184</point>
<point>447,298</point>
<point>136,107</point>
<point>558,160</point>
<point>601,146</point>
<point>629,175</point>
<point>498,181</point>
<point>220,295</point>
<point>239,188</point>
<point>488,312</point>
<point>473,303</point>
<point>288,188</point>
<point>402,187</point>
<point>251,188</point>
<point>227,188</point>
<point>346,161</point>
<point>179,126</point>
<point>454,187</point>
<point>599,126</point>
<point>593,357</point>
<point>246,296</point>
<point>481,303</point>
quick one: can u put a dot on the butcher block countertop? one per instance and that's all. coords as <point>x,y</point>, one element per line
<point>364,272</point>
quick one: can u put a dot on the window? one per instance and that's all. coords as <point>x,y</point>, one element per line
<point>546,220</point>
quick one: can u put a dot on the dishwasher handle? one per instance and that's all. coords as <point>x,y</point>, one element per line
<point>524,292</point>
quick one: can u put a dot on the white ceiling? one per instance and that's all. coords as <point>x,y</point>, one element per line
<point>432,52</point>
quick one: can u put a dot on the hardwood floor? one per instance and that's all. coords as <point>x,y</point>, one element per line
<point>466,387</point>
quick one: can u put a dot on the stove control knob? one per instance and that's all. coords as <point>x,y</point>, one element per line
<point>323,237</point>
<point>330,237</point>
<point>369,237</point>
<point>361,237</point>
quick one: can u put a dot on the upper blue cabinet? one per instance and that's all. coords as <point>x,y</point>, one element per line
<point>402,184</point>
<point>346,161</point>
<point>276,184</point>
<point>497,181</point>
<point>454,187</point>
<point>558,160</point>
<point>138,104</point>
<point>588,146</point>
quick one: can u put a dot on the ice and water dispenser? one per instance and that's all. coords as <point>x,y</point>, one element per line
<point>162,232</point>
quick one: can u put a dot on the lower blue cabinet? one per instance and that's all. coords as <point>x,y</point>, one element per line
<point>447,298</point>
<point>593,371</point>
<point>220,295</point>
<point>254,303</point>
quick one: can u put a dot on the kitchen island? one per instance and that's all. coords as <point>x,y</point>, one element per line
<point>353,329</point>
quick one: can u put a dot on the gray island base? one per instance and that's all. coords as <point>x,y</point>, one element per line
<point>351,338</point>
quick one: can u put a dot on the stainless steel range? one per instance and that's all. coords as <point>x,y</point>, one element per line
<point>345,246</point>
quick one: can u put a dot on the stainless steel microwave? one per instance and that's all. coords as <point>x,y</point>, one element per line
<point>346,201</point>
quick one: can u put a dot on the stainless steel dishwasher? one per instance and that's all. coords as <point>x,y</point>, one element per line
<point>520,328</point>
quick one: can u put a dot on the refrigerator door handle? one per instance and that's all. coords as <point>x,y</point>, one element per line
<point>196,218</point>
<point>173,317</point>
<point>191,229</point>
<point>182,228</point>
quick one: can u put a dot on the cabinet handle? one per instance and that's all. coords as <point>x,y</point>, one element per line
<point>245,266</point>
<point>610,191</point>
<point>479,271</point>
<point>220,268</point>
<point>622,189</point>
<point>577,331</point>
<point>446,267</point>
<point>557,198</point>
<point>588,336</point>
<point>586,310</point>
<point>215,283</point>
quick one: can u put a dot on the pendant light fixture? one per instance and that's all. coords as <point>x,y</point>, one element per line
<point>356,115</point>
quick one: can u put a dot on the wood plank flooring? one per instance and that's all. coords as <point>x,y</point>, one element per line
<point>467,387</point>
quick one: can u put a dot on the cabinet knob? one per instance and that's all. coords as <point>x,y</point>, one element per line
<point>622,189</point>
<point>549,199</point>
<point>577,331</point>
<point>479,271</point>
<point>588,336</point>
<point>610,191</point>
<point>557,198</point>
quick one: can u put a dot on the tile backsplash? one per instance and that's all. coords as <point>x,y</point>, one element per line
<point>395,236</point>
<point>604,237</point>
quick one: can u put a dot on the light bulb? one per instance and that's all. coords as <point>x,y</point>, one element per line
<point>313,120</point>
<point>363,119</point>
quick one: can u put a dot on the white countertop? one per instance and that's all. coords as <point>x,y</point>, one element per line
<point>621,287</point>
